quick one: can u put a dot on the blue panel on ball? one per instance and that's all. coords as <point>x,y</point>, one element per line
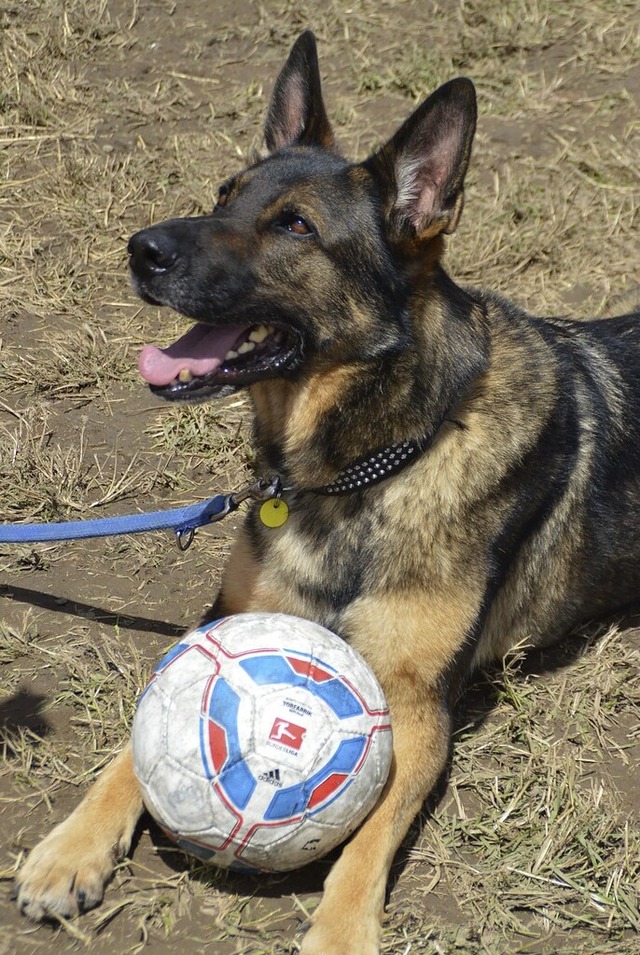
<point>171,655</point>
<point>235,778</point>
<point>338,697</point>
<point>238,783</point>
<point>268,669</point>
<point>293,800</point>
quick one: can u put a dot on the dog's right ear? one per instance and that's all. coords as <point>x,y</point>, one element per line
<point>422,168</point>
<point>296,115</point>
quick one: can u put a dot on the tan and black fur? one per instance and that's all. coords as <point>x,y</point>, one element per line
<point>519,519</point>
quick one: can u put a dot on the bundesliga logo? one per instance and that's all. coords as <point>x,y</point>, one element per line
<point>287,733</point>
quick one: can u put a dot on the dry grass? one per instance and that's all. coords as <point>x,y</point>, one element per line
<point>115,114</point>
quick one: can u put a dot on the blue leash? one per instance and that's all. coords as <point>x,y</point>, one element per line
<point>182,520</point>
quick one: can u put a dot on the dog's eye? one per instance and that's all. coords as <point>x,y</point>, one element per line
<point>223,195</point>
<point>295,224</point>
<point>299,226</point>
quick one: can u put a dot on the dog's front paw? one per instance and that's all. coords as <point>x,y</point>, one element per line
<point>66,873</point>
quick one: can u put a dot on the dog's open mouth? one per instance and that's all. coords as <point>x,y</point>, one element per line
<point>208,360</point>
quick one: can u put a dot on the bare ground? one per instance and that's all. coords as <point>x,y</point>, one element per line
<point>115,114</point>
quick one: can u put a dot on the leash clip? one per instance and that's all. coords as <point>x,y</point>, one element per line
<point>260,490</point>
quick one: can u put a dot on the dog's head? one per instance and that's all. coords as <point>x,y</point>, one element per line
<point>307,260</point>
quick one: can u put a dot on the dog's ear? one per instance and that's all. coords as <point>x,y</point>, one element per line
<point>296,113</point>
<point>422,167</point>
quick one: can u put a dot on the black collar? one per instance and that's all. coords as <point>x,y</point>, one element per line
<point>376,467</point>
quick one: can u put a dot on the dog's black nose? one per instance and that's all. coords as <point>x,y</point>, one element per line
<point>152,252</point>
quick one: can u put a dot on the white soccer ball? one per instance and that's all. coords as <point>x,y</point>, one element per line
<point>262,741</point>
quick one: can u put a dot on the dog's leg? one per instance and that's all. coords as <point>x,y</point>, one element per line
<point>348,919</point>
<point>66,872</point>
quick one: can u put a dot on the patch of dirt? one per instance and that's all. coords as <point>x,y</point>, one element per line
<point>118,114</point>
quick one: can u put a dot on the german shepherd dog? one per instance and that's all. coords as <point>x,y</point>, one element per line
<point>460,477</point>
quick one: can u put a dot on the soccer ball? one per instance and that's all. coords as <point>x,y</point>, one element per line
<point>261,741</point>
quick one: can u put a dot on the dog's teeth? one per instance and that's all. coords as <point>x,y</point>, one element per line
<point>246,347</point>
<point>185,376</point>
<point>260,333</point>
<point>230,354</point>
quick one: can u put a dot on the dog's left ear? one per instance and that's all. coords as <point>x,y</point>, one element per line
<point>422,167</point>
<point>296,115</point>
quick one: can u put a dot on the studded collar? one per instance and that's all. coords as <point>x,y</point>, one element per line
<point>376,467</point>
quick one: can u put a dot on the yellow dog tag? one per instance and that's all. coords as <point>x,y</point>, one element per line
<point>274,513</point>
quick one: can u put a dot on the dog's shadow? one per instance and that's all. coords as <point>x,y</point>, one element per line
<point>20,712</point>
<point>55,604</point>
<point>24,710</point>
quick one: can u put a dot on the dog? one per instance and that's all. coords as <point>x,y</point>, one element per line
<point>461,477</point>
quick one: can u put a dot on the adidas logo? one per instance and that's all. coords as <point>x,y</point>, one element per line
<point>272,777</point>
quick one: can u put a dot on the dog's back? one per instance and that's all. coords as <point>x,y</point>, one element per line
<point>577,470</point>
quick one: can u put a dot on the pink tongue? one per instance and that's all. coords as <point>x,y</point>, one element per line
<point>200,351</point>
